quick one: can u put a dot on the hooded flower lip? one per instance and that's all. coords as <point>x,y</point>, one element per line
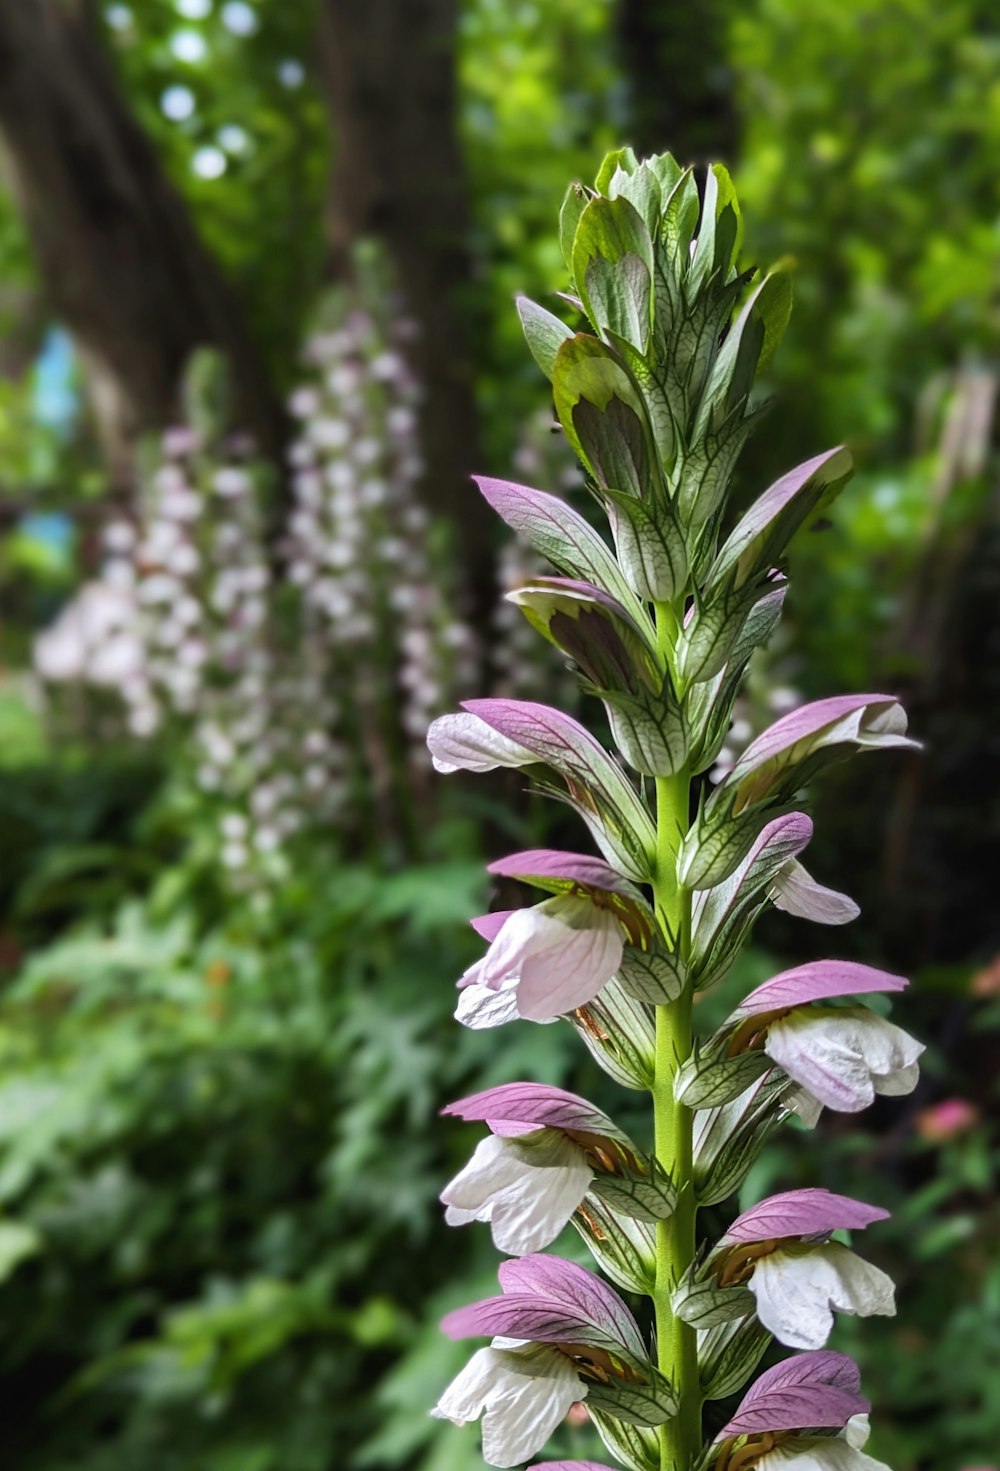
<point>819,980</point>
<point>796,1276</point>
<point>722,914</point>
<point>550,868</point>
<point>561,534</point>
<point>546,1299</point>
<point>542,962</point>
<point>809,1212</point>
<point>564,874</point>
<point>807,1393</point>
<point>596,630</point>
<point>522,1392</point>
<point>527,1188</point>
<point>811,1391</point>
<point>569,1466</point>
<point>515,1108</point>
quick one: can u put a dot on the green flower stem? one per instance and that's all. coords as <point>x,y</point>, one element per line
<point>677,1351</point>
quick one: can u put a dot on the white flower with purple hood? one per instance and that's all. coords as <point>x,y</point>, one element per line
<point>780,760</point>
<point>536,1166</point>
<point>838,1057</point>
<point>560,1335</point>
<point>553,957</point>
<point>522,733</point>
<point>774,1428</point>
<point>781,1250</point>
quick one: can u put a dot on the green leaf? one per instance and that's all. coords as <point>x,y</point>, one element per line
<point>713,847</point>
<point>642,189</point>
<point>586,371</point>
<point>703,477</point>
<point>705,644</point>
<point>720,231</point>
<point>647,1197</point>
<point>618,158</point>
<point>680,217</point>
<point>543,333</point>
<point>649,729</point>
<point>654,976</point>
<point>620,1034</point>
<point>704,1304</point>
<point>638,1449</point>
<point>760,324</point>
<point>650,546</point>
<point>652,1403</point>
<point>776,311</point>
<point>729,1354</point>
<point>613,268</point>
<point>758,540</point>
<point>707,1084</point>
<point>573,205</point>
<point>624,1248</point>
<point>615,444</point>
<point>665,169</point>
<point>591,628</point>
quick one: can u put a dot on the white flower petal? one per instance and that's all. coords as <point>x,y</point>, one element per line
<point>799,1102</point>
<point>465,1398</point>
<point>527,1188</point>
<point>480,1007</point>
<point>525,1393</point>
<point>558,954</point>
<point>797,892</point>
<point>572,974</point>
<point>797,1289</point>
<point>814,1453</point>
<point>463,742</point>
<point>843,1056</point>
<point>857,1430</point>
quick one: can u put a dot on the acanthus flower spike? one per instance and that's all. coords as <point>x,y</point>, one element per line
<point>661,622</point>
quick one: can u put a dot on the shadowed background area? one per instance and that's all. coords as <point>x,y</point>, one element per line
<point>257,269</point>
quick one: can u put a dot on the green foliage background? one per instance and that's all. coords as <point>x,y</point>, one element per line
<point>219,1243</point>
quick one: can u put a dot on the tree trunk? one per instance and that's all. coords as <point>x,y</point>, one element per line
<point>398,177</point>
<point>121,264</point>
<point>673,54</point>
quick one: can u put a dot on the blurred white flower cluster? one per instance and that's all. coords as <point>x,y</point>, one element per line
<point>359,544</point>
<point>299,665</point>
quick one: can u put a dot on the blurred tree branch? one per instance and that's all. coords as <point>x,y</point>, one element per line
<point>118,255</point>
<point>398,177</point>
